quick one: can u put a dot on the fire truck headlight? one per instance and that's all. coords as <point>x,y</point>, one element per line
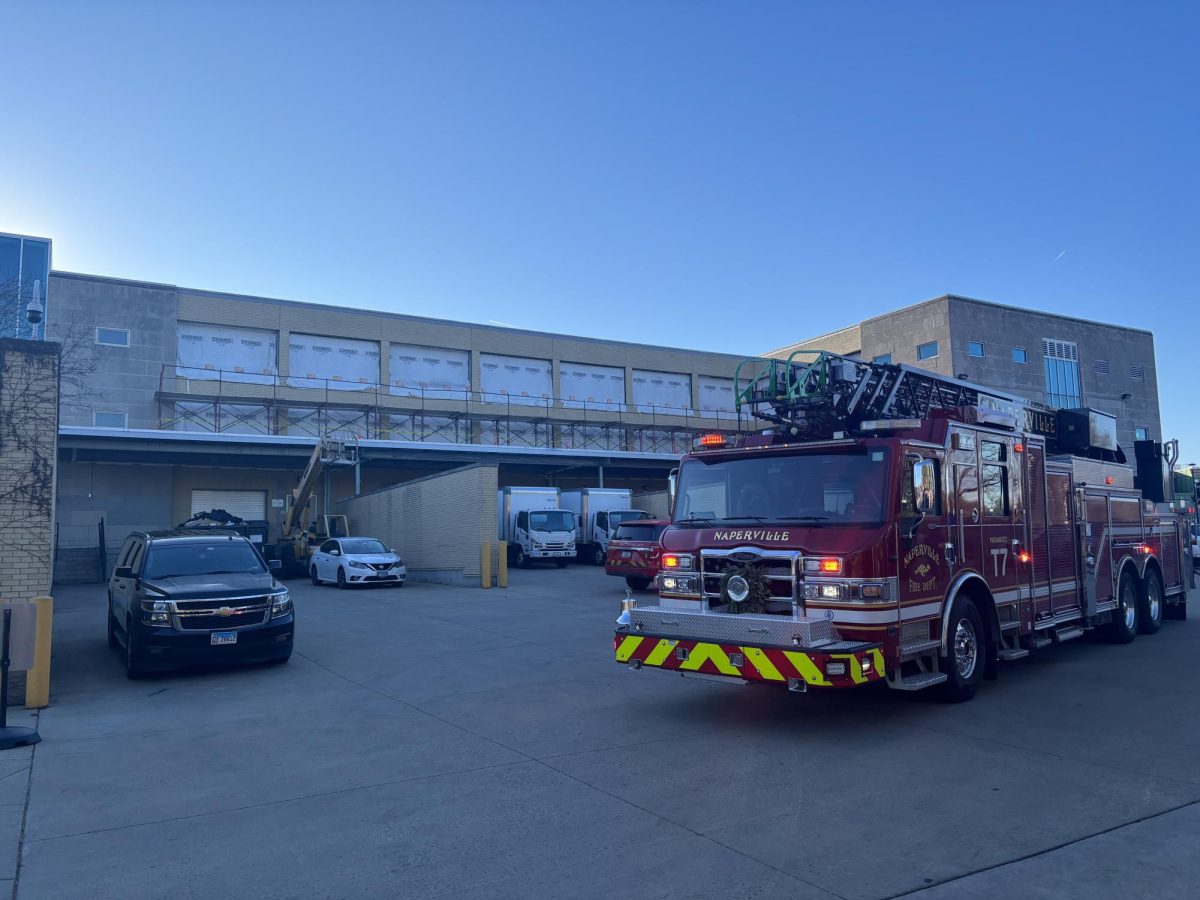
<point>831,592</point>
<point>668,584</point>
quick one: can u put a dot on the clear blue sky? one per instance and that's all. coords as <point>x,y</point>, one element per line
<point>716,176</point>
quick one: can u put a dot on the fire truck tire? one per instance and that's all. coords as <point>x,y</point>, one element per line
<point>1124,625</point>
<point>637,583</point>
<point>1150,604</point>
<point>964,664</point>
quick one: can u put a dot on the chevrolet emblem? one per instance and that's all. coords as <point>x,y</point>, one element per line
<point>225,612</point>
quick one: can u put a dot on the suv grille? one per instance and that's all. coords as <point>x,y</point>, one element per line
<point>207,615</point>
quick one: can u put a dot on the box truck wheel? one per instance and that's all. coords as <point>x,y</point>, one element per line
<point>561,563</point>
<point>1124,625</point>
<point>519,557</point>
<point>598,555</point>
<point>966,648</point>
<point>1150,603</point>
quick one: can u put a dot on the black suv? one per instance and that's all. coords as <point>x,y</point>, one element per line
<point>178,597</point>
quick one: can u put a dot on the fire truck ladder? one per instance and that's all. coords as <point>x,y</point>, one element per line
<point>815,393</point>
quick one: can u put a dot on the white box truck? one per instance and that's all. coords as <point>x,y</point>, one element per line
<point>534,526</point>
<point>598,512</point>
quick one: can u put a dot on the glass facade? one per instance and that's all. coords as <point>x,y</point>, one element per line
<point>1019,355</point>
<point>975,348</point>
<point>24,263</point>
<point>1063,387</point>
<point>885,359</point>
<point>927,351</point>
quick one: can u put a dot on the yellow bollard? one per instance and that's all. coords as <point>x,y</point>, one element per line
<point>502,564</point>
<point>485,559</point>
<point>37,679</point>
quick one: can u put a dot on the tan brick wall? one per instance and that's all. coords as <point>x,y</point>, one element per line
<point>437,524</point>
<point>28,451</point>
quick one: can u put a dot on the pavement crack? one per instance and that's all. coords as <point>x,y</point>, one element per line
<point>1045,850</point>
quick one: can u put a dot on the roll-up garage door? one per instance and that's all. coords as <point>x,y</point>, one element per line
<point>244,504</point>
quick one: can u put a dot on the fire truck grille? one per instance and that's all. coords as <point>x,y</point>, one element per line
<point>778,570</point>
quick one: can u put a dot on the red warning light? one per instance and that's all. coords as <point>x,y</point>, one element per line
<point>1024,556</point>
<point>712,440</point>
<point>1018,447</point>
<point>1108,479</point>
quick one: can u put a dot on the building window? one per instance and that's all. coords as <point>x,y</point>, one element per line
<point>112,337</point>
<point>1062,373</point>
<point>1020,355</point>
<point>1141,434</point>
<point>927,351</point>
<point>883,359</point>
<point>1137,373</point>
<point>975,348</point>
<point>109,419</point>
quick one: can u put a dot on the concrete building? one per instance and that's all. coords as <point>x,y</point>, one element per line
<point>1058,360</point>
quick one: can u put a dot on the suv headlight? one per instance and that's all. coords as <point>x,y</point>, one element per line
<point>156,612</point>
<point>355,564</point>
<point>281,604</point>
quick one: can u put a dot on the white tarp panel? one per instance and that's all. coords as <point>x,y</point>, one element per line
<point>591,387</point>
<point>432,429</point>
<point>348,424</point>
<point>235,418</point>
<point>647,440</point>
<point>221,352</point>
<point>244,504</point>
<point>662,392</point>
<point>336,363</point>
<point>591,437</point>
<point>514,379</point>
<point>716,397</point>
<point>515,433</point>
<point>429,371</point>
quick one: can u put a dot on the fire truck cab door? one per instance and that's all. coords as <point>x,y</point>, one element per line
<point>1000,501</point>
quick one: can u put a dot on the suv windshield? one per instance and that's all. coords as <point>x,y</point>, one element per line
<point>822,488</point>
<point>551,520</point>
<point>202,558</point>
<point>639,532</point>
<point>364,546</point>
<point>616,518</point>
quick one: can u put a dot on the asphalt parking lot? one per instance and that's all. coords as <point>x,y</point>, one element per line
<point>446,742</point>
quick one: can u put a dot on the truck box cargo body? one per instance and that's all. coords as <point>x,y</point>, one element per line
<point>534,526</point>
<point>598,512</point>
<point>904,528</point>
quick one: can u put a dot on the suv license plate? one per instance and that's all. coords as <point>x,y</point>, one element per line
<point>223,637</point>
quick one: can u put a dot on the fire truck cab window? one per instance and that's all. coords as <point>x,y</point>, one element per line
<point>995,490</point>
<point>822,488</point>
<point>991,451</point>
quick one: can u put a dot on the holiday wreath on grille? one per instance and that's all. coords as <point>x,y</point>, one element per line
<point>745,589</point>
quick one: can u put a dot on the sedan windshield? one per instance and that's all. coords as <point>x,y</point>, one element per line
<point>203,558</point>
<point>821,488</point>
<point>364,545</point>
<point>551,520</point>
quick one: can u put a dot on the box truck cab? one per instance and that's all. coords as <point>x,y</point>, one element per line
<point>598,512</point>
<point>534,526</point>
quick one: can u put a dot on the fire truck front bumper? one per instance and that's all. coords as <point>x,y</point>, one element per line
<point>796,653</point>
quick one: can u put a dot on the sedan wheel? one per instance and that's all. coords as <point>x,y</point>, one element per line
<point>341,579</point>
<point>312,573</point>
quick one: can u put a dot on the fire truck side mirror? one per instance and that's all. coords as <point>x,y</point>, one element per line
<point>923,486</point>
<point>671,480</point>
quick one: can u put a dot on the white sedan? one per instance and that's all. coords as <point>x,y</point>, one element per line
<point>356,560</point>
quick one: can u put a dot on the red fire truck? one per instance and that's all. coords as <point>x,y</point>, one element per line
<point>895,525</point>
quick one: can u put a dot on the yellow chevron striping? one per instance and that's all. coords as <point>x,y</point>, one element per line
<point>661,652</point>
<point>762,663</point>
<point>628,645</point>
<point>808,669</point>
<point>702,652</point>
<point>853,666</point>
<point>877,662</point>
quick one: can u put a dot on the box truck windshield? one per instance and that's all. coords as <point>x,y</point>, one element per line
<point>822,488</point>
<point>551,520</point>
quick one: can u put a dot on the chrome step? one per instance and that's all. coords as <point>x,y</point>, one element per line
<point>919,647</point>
<point>1010,653</point>
<point>1067,633</point>
<point>1036,641</point>
<point>1009,626</point>
<point>919,681</point>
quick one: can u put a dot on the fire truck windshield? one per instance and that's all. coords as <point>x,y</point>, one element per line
<point>845,488</point>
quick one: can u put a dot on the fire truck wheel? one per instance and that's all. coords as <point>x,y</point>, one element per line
<point>1150,604</point>
<point>637,583</point>
<point>1124,625</point>
<point>963,665</point>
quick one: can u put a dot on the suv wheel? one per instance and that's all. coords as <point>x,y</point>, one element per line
<point>342,579</point>
<point>133,653</point>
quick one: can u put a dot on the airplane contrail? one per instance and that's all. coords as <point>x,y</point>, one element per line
<point>1061,253</point>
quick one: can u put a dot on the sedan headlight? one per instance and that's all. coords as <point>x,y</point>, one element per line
<point>355,564</point>
<point>399,563</point>
<point>281,604</point>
